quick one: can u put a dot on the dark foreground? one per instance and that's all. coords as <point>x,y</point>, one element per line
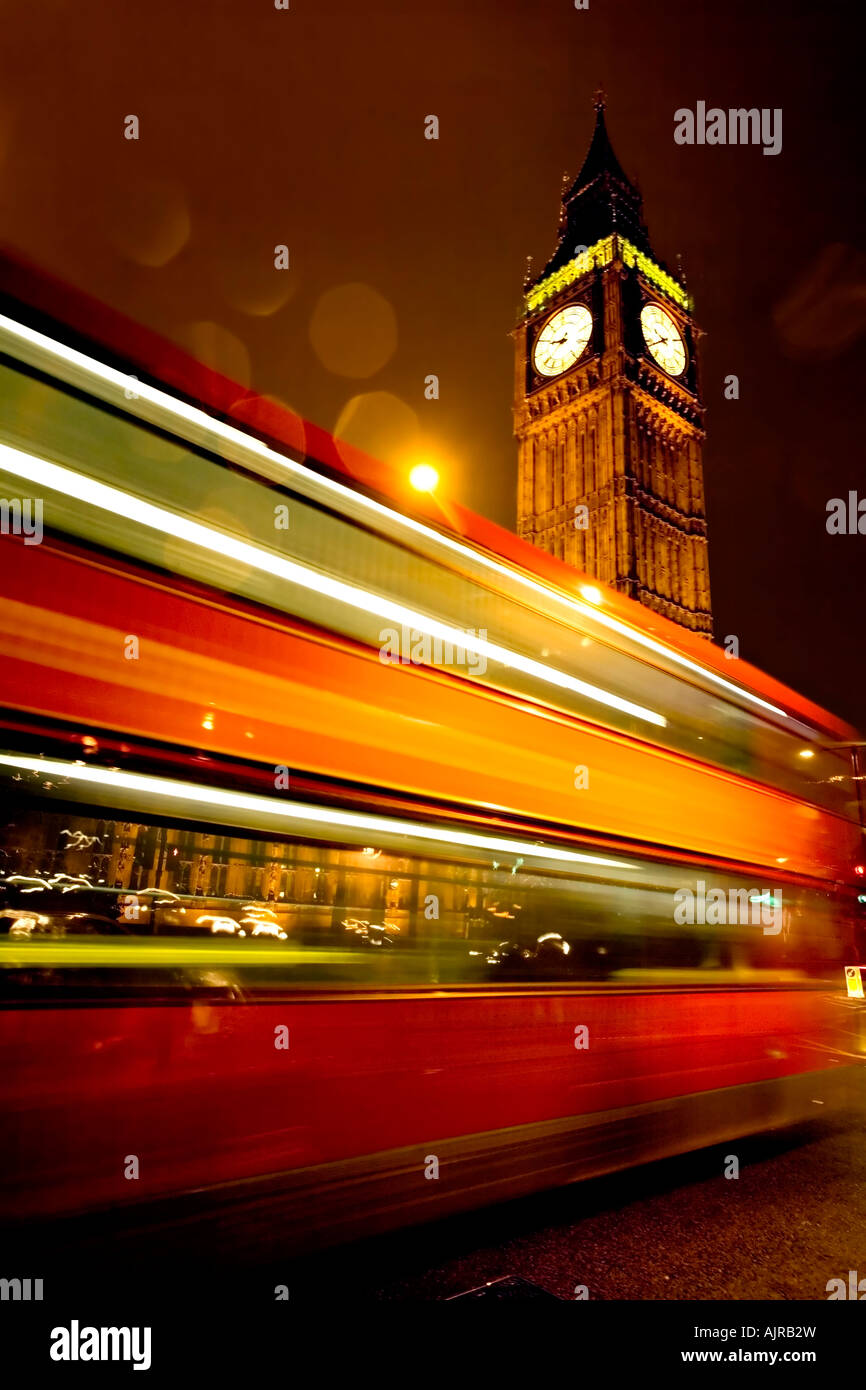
<point>701,1257</point>
<point>793,1220</point>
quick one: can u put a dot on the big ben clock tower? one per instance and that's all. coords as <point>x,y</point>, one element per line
<point>608,414</point>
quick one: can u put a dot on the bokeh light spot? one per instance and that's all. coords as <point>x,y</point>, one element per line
<point>353,330</point>
<point>274,418</point>
<point>218,349</point>
<point>380,424</point>
<point>148,222</point>
<point>250,282</point>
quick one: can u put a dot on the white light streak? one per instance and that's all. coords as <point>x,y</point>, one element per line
<point>192,415</point>
<point>111,499</point>
<point>189,794</point>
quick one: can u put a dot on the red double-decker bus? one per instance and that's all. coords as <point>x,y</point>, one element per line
<point>360,861</point>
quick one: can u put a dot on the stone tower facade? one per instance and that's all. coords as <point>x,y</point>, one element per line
<point>608,414</point>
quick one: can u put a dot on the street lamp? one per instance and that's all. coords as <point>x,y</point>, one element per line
<point>423,477</point>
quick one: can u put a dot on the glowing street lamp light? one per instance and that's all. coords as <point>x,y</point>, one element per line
<point>423,477</point>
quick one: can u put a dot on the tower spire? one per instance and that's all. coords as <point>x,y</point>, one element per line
<point>600,159</point>
<point>600,201</point>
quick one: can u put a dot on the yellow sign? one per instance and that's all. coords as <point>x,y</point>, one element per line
<point>854,979</point>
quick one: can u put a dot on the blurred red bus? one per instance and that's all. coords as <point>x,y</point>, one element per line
<point>361,860</point>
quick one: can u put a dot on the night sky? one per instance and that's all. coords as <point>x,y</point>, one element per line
<point>261,127</point>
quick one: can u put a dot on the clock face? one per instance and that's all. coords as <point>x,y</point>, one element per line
<point>663,339</point>
<point>562,340</point>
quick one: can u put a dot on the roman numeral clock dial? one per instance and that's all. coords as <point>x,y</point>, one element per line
<point>663,339</point>
<point>562,340</point>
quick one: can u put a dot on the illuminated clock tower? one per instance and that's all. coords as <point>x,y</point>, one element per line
<point>608,414</point>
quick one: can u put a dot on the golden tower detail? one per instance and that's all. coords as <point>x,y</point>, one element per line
<point>608,414</point>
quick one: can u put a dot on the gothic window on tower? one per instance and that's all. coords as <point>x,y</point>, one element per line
<point>538,507</point>
<point>551,472</point>
<point>560,470</point>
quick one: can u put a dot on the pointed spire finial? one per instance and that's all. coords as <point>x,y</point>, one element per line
<point>599,101</point>
<point>527,274</point>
